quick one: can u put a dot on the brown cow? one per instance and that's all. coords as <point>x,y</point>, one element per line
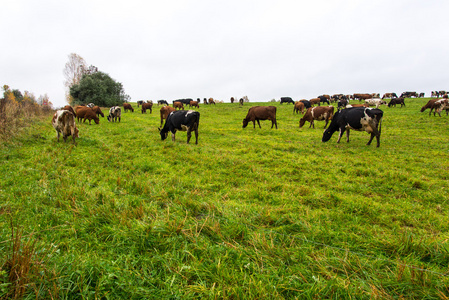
<point>211,101</point>
<point>314,101</point>
<point>127,106</point>
<point>357,105</point>
<point>84,112</point>
<point>318,113</point>
<point>257,113</point>
<point>146,106</point>
<point>98,111</point>
<point>430,104</point>
<point>64,122</point>
<point>70,109</point>
<point>299,107</point>
<point>165,111</point>
<point>178,104</point>
<point>194,104</point>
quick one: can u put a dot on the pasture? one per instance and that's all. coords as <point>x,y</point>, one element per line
<point>245,214</point>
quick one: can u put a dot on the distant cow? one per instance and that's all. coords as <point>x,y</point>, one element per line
<point>299,107</point>
<point>318,113</point>
<point>115,113</point>
<point>86,113</point>
<point>178,104</point>
<point>315,101</point>
<point>185,120</point>
<point>64,122</point>
<point>357,118</point>
<point>361,97</point>
<point>98,111</point>
<point>162,102</point>
<point>306,103</point>
<point>324,99</point>
<point>140,102</point>
<point>211,101</point>
<point>194,104</point>
<point>375,102</point>
<point>409,95</point>
<point>146,106</point>
<point>257,113</point>
<point>389,95</point>
<point>127,106</point>
<point>232,100</point>
<point>395,101</point>
<point>165,111</point>
<point>342,103</point>
<point>241,102</point>
<point>287,100</point>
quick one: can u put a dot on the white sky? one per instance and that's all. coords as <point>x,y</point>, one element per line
<point>174,49</point>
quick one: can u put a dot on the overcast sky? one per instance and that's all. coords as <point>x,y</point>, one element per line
<point>174,49</point>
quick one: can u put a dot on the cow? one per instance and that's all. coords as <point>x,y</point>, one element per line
<point>389,95</point>
<point>86,113</point>
<point>115,113</point>
<point>70,109</point>
<point>162,102</point>
<point>257,113</point>
<point>287,100</point>
<point>211,101</point>
<point>140,102</point>
<point>127,106</point>
<point>430,104</point>
<point>178,104</point>
<point>318,113</point>
<point>314,101</point>
<point>194,104</point>
<point>205,101</point>
<point>90,105</point>
<point>185,120</point>
<point>232,100</point>
<point>241,102</point>
<point>306,103</point>
<point>299,107</point>
<point>146,106</point>
<point>357,118</point>
<point>64,122</point>
<point>361,97</point>
<point>375,102</point>
<point>409,95</point>
<point>165,111</point>
<point>421,95</point>
<point>324,99</point>
<point>439,105</point>
<point>98,111</point>
<point>342,103</point>
<point>395,101</point>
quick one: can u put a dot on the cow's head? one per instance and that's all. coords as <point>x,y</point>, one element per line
<point>302,121</point>
<point>245,123</point>
<point>163,133</point>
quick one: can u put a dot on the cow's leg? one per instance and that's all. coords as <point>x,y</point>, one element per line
<point>258,123</point>
<point>189,134</point>
<point>196,134</point>
<point>173,137</point>
<point>325,125</point>
<point>347,136</point>
<point>58,136</point>
<point>342,130</point>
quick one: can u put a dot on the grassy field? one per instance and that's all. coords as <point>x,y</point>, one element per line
<point>245,214</point>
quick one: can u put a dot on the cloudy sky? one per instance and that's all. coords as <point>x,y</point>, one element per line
<point>197,48</point>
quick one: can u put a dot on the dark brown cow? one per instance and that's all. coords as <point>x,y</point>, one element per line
<point>146,106</point>
<point>314,101</point>
<point>232,99</point>
<point>395,101</point>
<point>127,106</point>
<point>64,122</point>
<point>84,112</point>
<point>299,107</point>
<point>165,111</point>
<point>98,111</point>
<point>361,97</point>
<point>318,113</point>
<point>211,101</point>
<point>178,104</point>
<point>430,104</point>
<point>257,113</point>
<point>194,104</point>
<point>70,109</point>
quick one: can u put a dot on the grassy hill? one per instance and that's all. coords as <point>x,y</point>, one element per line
<point>245,214</point>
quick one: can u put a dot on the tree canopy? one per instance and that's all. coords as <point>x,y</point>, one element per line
<point>98,88</point>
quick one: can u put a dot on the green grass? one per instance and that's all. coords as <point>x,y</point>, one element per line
<point>245,214</point>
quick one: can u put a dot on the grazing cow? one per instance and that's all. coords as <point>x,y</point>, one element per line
<point>299,107</point>
<point>287,100</point>
<point>97,111</point>
<point>314,101</point>
<point>342,103</point>
<point>306,103</point>
<point>146,106</point>
<point>186,120</point>
<point>324,99</point>
<point>140,102</point>
<point>409,95</point>
<point>395,101</point>
<point>389,95</point>
<point>70,109</point>
<point>439,105</point>
<point>375,102</point>
<point>361,97</point>
<point>162,102</point>
<point>357,105</point>
<point>232,100</point>
<point>211,101</point>
<point>241,102</point>
<point>257,113</point>
<point>430,104</point>
<point>127,106</point>
<point>194,104</point>
<point>357,118</point>
<point>86,113</point>
<point>205,101</point>
<point>165,111</point>
<point>318,113</point>
<point>421,95</point>
<point>178,104</point>
<point>115,113</point>
<point>64,122</point>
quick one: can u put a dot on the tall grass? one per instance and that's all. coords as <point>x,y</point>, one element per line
<point>246,213</point>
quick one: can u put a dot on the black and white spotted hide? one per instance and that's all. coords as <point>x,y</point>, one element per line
<point>182,120</point>
<point>115,113</point>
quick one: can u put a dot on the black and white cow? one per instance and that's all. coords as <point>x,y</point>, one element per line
<point>323,99</point>
<point>287,100</point>
<point>162,102</point>
<point>357,118</point>
<point>182,120</point>
<point>115,113</point>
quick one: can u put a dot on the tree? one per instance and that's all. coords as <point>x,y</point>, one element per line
<point>74,70</point>
<point>98,88</point>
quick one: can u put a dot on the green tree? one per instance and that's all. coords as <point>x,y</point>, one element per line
<point>98,88</point>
